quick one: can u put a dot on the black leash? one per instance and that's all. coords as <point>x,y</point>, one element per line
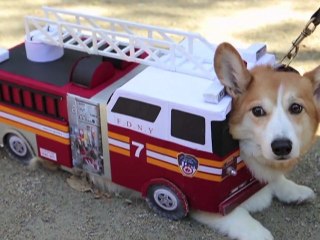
<point>292,53</point>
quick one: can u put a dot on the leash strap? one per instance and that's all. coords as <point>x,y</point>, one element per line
<point>316,17</point>
<point>292,53</point>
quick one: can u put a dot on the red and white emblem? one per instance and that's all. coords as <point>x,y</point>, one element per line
<point>188,164</point>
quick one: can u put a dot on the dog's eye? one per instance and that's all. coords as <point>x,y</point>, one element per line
<point>295,108</point>
<point>258,111</point>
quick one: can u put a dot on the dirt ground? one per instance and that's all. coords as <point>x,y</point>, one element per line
<point>39,204</point>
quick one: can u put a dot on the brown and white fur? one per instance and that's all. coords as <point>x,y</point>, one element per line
<point>274,116</point>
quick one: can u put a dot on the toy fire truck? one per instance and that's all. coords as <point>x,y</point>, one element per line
<point>135,104</point>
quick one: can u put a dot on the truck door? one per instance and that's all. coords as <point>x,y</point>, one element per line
<point>85,134</point>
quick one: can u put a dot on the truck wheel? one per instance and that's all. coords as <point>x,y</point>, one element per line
<point>167,201</point>
<point>17,148</point>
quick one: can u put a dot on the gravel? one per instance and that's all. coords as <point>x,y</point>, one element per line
<point>40,204</point>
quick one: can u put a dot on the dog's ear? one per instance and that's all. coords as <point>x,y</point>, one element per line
<point>231,70</point>
<point>314,76</point>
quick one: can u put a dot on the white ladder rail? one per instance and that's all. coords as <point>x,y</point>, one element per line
<point>166,52</point>
<point>128,27</point>
<point>117,25</point>
<point>79,44</point>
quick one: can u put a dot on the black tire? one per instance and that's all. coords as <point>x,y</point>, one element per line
<point>17,148</point>
<point>167,201</point>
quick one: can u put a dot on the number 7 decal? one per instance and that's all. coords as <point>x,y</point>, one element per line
<point>139,146</point>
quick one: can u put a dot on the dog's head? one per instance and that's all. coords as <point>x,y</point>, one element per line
<point>275,113</point>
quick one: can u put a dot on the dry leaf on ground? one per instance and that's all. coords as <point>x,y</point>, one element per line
<point>79,184</point>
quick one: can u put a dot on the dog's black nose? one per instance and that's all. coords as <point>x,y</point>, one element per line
<point>281,147</point>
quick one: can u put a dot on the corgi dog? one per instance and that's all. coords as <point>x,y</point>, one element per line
<point>274,116</point>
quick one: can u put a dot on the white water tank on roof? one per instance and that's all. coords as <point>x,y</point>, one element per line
<point>39,51</point>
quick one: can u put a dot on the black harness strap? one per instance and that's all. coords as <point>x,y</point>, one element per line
<point>285,68</point>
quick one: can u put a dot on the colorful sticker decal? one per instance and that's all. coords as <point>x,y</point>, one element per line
<point>86,148</point>
<point>85,135</point>
<point>188,164</point>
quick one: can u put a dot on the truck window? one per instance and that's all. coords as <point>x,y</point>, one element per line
<point>137,109</point>
<point>222,141</point>
<point>188,126</point>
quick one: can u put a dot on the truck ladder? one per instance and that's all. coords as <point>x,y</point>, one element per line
<point>172,50</point>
